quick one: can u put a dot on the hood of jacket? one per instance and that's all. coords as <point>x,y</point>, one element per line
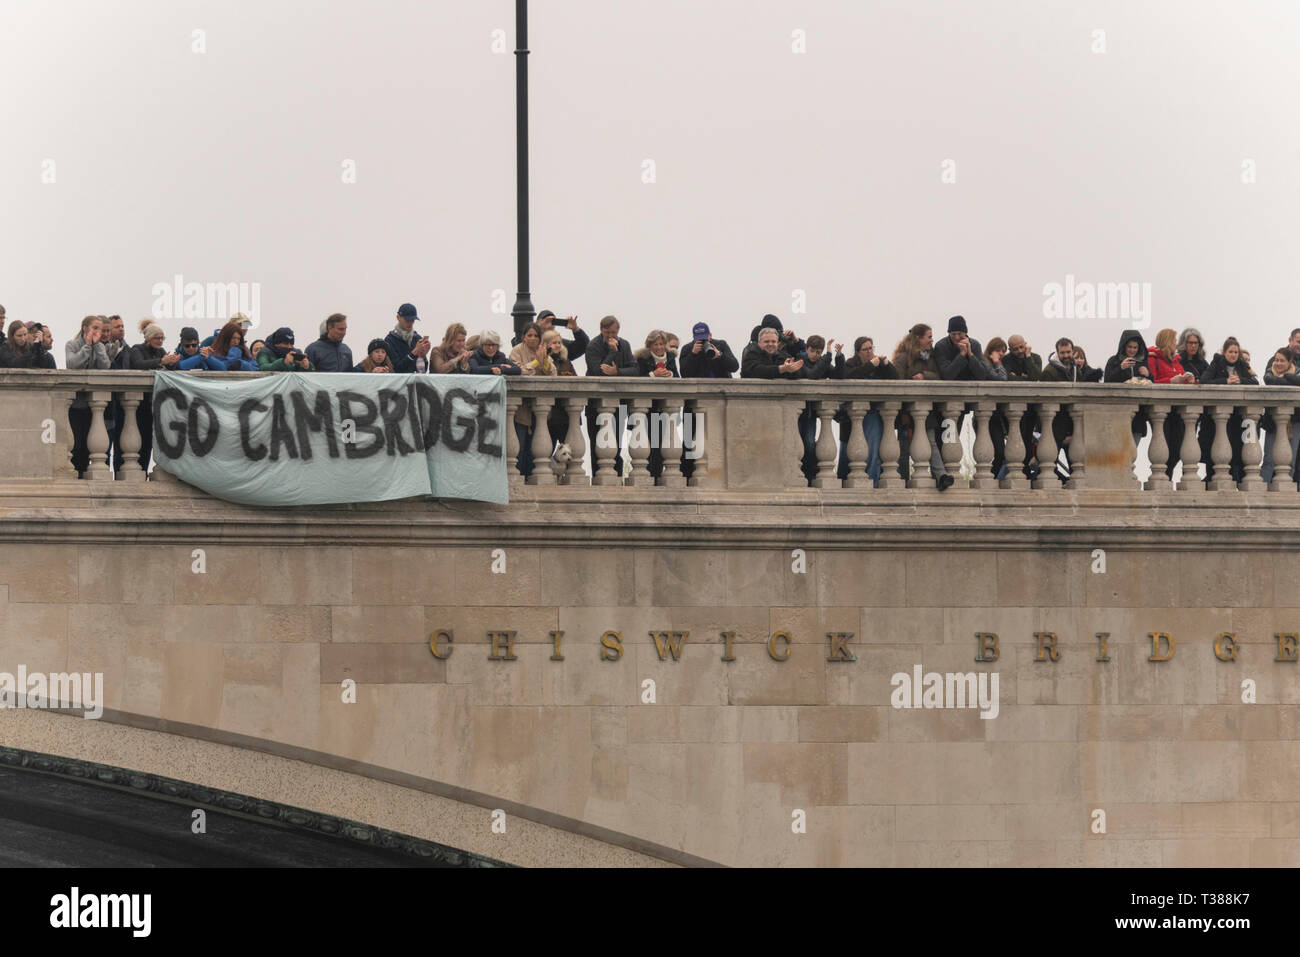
<point>1054,361</point>
<point>1124,338</point>
<point>769,322</point>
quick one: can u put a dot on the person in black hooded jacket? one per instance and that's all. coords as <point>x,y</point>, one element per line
<point>1130,359</point>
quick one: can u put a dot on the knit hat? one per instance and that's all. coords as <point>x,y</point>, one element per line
<point>281,335</point>
<point>956,324</point>
<point>151,330</point>
<point>189,334</point>
<point>544,313</point>
<point>376,344</point>
<point>772,322</point>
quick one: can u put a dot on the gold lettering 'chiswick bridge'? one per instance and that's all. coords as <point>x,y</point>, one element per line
<point>723,664</point>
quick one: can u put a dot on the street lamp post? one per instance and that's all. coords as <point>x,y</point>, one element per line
<point>523,312</point>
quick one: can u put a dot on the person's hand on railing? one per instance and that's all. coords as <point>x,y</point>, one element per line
<point>792,365</point>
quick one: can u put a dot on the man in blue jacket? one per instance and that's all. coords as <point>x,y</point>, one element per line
<point>328,353</point>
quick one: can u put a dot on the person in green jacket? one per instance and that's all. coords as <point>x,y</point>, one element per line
<point>279,354</point>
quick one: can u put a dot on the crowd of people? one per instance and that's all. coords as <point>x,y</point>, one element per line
<point>773,352</point>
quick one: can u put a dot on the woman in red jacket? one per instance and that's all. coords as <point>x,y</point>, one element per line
<point>1166,367</point>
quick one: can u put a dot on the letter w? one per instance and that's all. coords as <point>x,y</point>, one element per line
<point>669,642</point>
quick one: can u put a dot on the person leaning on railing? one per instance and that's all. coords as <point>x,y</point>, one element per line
<point>86,350</point>
<point>993,353</point>
<point>864,364</point>
<point>1022,363</point>
<point>376,358</point>
<point>149,356</point>
<point>1229,368</point>
<point>819,362</point>
<point>959,359</point>
<point>538,354</point>
<point>1166,369</point>
<point>609,355</point>
<point>654,360</point>
<point>1281,371</point>
<point>707,357</point>
<point>195,357</point>
<point>488,359</point>
<point>279,354</point>
<point>452,356</point>
<point>17,351</point>
<point>228,351</point>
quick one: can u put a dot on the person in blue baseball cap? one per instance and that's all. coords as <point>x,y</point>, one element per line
<point>407,350</point>
<point>706,357</point>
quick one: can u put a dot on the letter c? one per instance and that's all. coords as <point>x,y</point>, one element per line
<point>771,645</point>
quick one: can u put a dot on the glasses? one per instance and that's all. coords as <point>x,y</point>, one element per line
<point>189,345</point>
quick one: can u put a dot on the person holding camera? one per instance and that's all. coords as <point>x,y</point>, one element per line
<point>18,351</point>
<point>279,355</point>
<point>706,357</point>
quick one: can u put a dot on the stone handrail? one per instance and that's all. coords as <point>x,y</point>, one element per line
<point>744,435</point>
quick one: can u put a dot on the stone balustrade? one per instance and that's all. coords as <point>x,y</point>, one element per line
<point>745,435</point>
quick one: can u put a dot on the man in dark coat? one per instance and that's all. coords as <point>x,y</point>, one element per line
<point>1022,365</point>
<point>328,353</point>
<point>959,358</point>
<point>609,355</point>
<point>764,359</point>
<point>405,346</point>
<point>707,358</point>
<point>790,344</point>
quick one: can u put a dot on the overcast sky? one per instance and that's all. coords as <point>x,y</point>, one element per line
<point>774,170</point>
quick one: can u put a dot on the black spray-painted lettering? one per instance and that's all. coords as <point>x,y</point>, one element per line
<point>317,419</point>
<point>172,450</point>
<point>392,411</point>
<point>281,434</point>
<point>202,446</point>
<point>363,423</point>
<point>487,424</point>
<point>457,443</point>
<point>254,453</point>
<point>284,426</point>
